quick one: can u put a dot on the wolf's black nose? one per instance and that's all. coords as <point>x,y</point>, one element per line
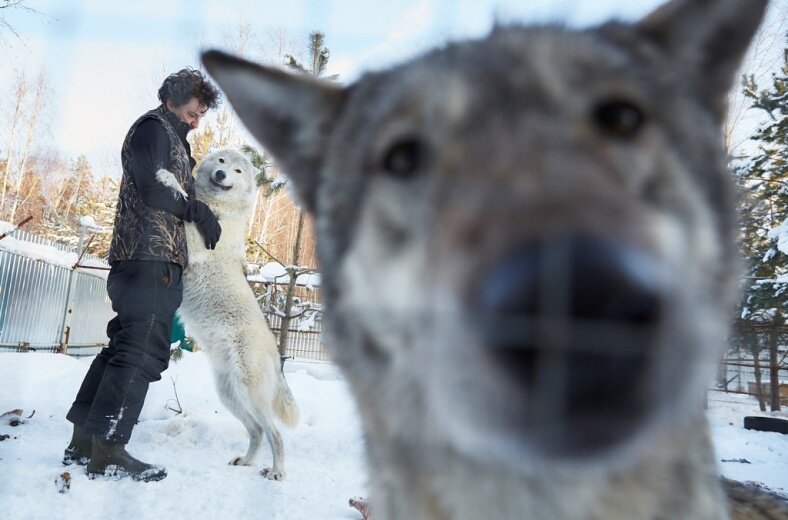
<point>578,279</point>
<point>574,322</point>
<point>220,175</point>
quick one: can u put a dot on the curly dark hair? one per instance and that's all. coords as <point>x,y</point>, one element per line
<point>185,84</point>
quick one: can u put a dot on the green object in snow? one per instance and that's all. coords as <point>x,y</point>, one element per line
<point>179,334</point>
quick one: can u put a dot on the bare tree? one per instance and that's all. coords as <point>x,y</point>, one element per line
<point>763,58</point>
<point>38,103</point>
<point>80,184</point>
<point>238,40</point>
<point>277,44</point>
<point>21,88</point>
<point>28,103</point>
<point>7,6</point>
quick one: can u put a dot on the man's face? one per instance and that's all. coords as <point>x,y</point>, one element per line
<point>190,112</point>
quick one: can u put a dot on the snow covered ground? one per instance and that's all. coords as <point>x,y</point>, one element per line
<point>324,455</point>
<point>748,455</point>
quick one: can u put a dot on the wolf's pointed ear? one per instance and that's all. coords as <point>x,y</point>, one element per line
<point>290,115</point>
<point>708,39</point>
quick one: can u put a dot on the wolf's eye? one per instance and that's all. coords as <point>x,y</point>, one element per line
<point>618,118</point>
<point>404,158</point>
<point>237,170</point>
<point>221,160</point>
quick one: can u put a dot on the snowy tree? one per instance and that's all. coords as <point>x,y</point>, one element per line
<point>764,211</point>
<point>78,194</point>
<point>99,203</point>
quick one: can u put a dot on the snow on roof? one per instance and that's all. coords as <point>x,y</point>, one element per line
<point>47,253</point>
<point>6,227</point>
<point>277,273</point>
<point>87,221</point>
<point>270,272</point>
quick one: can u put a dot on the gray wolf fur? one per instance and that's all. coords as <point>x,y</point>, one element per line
<point>220,312</point>
<point>528,254</point>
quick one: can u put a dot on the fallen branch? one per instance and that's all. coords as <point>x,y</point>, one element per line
<point>177,400</point>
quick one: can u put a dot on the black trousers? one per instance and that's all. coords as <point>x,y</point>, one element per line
<point>145,296</point>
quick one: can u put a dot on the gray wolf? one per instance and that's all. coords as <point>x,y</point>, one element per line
<point>220,312</point>
<point>528,254</point>
<point>147,255</point>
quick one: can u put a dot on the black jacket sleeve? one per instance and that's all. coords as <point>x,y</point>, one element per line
<point>150,152</point>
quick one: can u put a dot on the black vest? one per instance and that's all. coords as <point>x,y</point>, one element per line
<point>142,232</point>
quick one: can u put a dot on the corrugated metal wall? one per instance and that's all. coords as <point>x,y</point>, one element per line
<point>33,304</point>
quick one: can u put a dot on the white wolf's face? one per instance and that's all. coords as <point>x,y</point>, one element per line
<point>225,174</point>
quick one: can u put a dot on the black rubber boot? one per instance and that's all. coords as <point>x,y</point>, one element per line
<point>112,460</point>
<point>79,449</point>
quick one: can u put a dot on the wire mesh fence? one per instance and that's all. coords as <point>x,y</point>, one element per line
<point>756,364</point>
<point>303,340</point>
<point>306,319</point>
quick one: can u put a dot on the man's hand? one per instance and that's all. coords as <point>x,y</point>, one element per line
<point>206,222</point>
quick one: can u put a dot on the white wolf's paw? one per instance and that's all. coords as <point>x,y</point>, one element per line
<point>167,178</point>
<point>240,461</point>
<point>271,474</point>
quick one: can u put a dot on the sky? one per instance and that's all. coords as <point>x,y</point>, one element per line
<point>105,59</point>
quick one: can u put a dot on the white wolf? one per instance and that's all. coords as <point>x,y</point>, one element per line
<point>220,312</point>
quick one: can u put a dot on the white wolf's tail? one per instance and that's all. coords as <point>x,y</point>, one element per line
<point>285,406</point>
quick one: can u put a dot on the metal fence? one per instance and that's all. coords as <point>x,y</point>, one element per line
<point>756,359</point>
<point>39,311</point>
<point>306,325</point>
<point>303,339</point>
<point>49,308</point>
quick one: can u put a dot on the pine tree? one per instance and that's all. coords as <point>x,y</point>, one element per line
<point>318,55</point>
<point>764,211</point>
<point>99,204</point>
<point>764,180</point>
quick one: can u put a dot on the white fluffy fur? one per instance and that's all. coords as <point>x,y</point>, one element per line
<point>167,178</point>
<point>220,312</point>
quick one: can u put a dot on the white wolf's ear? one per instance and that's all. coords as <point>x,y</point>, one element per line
<point>290,115</point>
<point>708,39</point>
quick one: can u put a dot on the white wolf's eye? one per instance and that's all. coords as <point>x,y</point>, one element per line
<point>221,160</point>
<point>618,118</point>
<point>237,170</point>
<point>405,157</point>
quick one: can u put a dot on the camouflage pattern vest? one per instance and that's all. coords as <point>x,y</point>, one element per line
<point>142,232</point>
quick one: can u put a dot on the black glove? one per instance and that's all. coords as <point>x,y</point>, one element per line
<point>205,220</point>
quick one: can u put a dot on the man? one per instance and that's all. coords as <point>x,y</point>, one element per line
<point>147,256</point>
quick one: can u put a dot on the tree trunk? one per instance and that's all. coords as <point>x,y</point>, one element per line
<point>293,271</point>
<point>19,94</point>
<point>758,384</point>
<point>31,190</point>
<point>38,102</point>
<point>774,370</point>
